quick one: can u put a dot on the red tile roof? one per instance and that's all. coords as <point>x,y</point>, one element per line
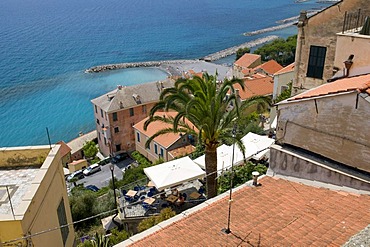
<point>182,151</point>
<point>246,60</point>
<point>357,83</point>
<point>64,148</point>
<point>254,87</point>
<point>165,140</point>
<point>270,67</point>
<point>286,69</point>
<point>278,213</point>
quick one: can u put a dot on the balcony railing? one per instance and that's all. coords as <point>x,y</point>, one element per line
<point>353,22</point>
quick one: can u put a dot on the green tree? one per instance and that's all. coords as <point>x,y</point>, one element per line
<point>213,110</point>
<point>241,51</point>
<point>90,149</point>
<point>280,50</point>
<point>147,223</point>
<point>285,94</point>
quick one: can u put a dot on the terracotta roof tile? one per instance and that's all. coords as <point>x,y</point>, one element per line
<point>270,67</point>
<point>246,60</point>
<point>182,151</point>
<point>254,87</point>
<point>165,140</point>
<point>286,69</point>
<point>357,83</point>
<point>64,148</point>
<point>278,213</point>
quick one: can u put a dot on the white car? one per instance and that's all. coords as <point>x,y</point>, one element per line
<point>92,169</point>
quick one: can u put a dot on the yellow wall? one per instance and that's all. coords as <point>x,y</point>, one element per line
<point>23,156</point>
<point>38,209</point>
<point>77,165</point>
<point>10,230</point>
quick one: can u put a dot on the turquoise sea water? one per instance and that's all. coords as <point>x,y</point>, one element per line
<point>46,45</point>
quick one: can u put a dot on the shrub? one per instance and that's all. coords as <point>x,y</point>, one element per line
<point>147,223</point>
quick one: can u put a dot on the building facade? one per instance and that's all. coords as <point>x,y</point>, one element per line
<point>317,42</point>
<point>165,147</point>
<point>34,198</point>
<point>118,111</point>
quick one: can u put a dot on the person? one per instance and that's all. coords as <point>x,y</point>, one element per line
<point>175,192</point>
<point>180,201</point>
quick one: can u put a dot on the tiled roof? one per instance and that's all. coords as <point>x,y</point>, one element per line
<point>270,67</point>
<point>357,83</point>
<point>286,69</point>
<point>277,213</point>
<point>182,151</point>
<point>64,148</point>
<point>254,87</point>
<point>123,96</point>
<point>246,60</point>
<point>165,140</point>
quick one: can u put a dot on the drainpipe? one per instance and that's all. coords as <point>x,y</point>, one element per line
<point>302,21</point>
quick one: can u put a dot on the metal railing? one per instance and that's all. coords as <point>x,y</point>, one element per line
<point>353,21</point>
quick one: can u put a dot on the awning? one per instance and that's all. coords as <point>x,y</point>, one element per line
<point>174,173</point>
<point>256,147</point>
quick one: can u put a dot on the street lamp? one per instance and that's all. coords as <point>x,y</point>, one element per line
<point>227,230</point>
<point>111,167</point>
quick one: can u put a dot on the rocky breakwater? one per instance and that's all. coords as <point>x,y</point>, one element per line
<point>101,68</point>
<point>232,50</point>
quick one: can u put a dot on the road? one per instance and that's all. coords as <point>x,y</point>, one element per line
<point>101,179</point>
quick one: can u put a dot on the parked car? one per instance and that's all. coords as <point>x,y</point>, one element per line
<point>119,158</point>
<point>77,174</point>
<point>92,169</point>
<point>92,188</point>
<point>104,161</point>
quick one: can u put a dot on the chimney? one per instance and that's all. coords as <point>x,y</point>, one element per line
<point>237,93</point>
<point>255,177</point>
<point>348,64</point>
<point>119,87</point>
<point>302,18</point>
<point>120,104</point>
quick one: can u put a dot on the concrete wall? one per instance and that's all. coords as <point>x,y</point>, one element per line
<point>37,210</point>
<point>46,192</point>
<point>288,163</point>
<point>356,44</point>
<point>330,126</point>
<point>281,80</point>
<point>321,30</point>
<point>23,156</point>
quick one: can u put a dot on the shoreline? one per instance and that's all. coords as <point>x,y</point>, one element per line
<point>209,58</point>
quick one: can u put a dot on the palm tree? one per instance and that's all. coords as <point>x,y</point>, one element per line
<point>211,107</point>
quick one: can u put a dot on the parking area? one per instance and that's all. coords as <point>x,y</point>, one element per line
<point>101,178</point>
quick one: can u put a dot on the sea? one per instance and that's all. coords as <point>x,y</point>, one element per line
<point>45,46</point>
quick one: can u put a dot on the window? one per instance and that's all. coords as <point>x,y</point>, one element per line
<point>105,116</point>
<point>138,136</point>
<point>283,88</point>
<point>97,121</point>
<point>155,148</point>
<point>105,141</point>
<point>131,112</point>
<point>162,153</point>
<point>101,113</point>
<point>99,136</point>
<point>115,117</point>
<point>144,108</point>
<point>118,147</point>
<point>62,217</point>
<point>316,62</point>
<point>148,147</point>
<point>116,129</point>
<point>96,109</point>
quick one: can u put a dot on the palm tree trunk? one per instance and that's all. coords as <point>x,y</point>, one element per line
<point>211,171</point>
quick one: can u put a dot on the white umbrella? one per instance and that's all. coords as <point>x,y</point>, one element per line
<point>174,173</point>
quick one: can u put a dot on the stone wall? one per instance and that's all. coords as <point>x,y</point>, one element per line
<point>334,127</point>
<point>321,30</point>
<point>286,162</point>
